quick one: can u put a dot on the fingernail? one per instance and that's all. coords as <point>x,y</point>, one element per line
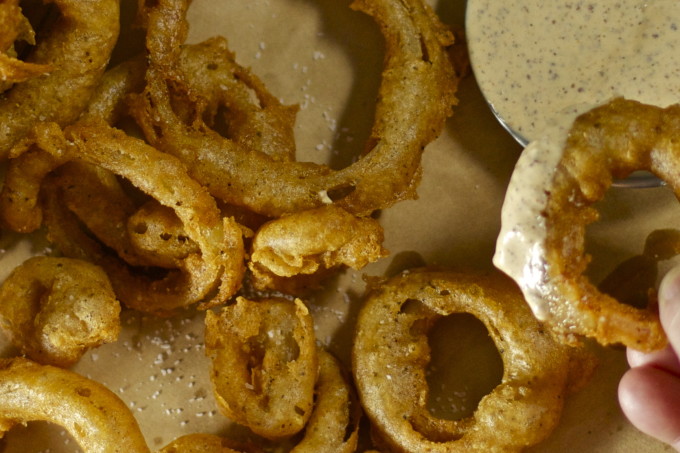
<point>669,299</point>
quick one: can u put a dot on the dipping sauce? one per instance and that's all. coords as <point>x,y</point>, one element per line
<point>521,247</point>
<point>536,59</point>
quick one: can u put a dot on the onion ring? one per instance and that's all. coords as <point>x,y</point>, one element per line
<point>219,266</point>
<point>310,243</point>
<point>334,423</point>
<point>200,443</point>
<point>96,197</point>
<point>96,418</point>
<point>264,364</point>
<point>543,248</point>
<point>332,427</point>
<point>264,125</point>
<point>150,235</point>
<point>415,99</point>
<point>267,125</point>
<point>391,351</point>
<point>158,236</point>
<point>55,309</point>
<point>78,48</point>
<point>14,26</point>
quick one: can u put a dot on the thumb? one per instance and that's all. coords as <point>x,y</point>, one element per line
<point>669,306</point>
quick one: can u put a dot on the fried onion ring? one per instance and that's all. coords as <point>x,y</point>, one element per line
<point>78,48</point>
<point>265,125</point>
<point>332,427</point>
<point>264,364</point>
<point>14,26</point>
<point>219,266</point>
<point>96,197</point>
<point>542,246</point>
<point>199,443</point>
<point>254,118</point>
<point>157,235</point>
<point>312,242</point>
<point>55,309</point>
<point>414,100</point>
<point>334,423</point>
<point>96,418</point>
<point>391,352</point>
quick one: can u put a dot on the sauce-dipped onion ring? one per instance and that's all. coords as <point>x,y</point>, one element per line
<point>391,353</point>
<point>542,241</point>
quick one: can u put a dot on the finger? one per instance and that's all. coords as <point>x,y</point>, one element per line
<point>650,398</point>
<point>665,359</point>
<point>669,306</point>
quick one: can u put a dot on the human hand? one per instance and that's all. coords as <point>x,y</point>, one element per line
<point>649,393</point>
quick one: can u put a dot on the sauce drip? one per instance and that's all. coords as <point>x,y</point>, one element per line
<point>520,247</point>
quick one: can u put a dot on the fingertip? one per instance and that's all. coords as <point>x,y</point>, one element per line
<point>650,399</point>
<point>637,358</point>
<point>669,289</point>
<point>665,359</point>
<point>669,306</point>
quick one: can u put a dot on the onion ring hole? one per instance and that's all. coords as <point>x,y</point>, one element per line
<point>465,366</point>
<point>618,262</point>
<point>39,436</point>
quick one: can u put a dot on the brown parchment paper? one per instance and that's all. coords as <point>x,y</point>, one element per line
<point>326,58</point>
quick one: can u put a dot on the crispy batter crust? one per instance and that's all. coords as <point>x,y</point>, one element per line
<point>264,364</point>
<point>78,49</point>
<point>391,352</point>
<point>607,142</point>
<point>209,277</point>
<point>96,418</point>
<point>414,100</point>
<point>312,242</point>
<point>55,309</point>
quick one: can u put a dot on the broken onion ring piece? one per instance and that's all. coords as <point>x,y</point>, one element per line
<point>312,242</point>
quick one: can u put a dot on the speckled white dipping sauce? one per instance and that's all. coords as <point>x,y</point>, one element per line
<point>534,58</point>
<point>520,247</point>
